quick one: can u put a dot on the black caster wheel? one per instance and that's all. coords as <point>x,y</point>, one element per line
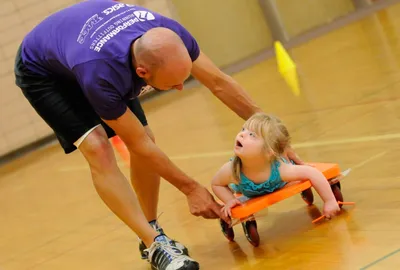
<point>226,230</point>
<point>337,192</point>
<point>308,196</point>
<point>250,230</point>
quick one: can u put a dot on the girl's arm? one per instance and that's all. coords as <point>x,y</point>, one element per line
<point>303,172</point>
<point>221,181</point>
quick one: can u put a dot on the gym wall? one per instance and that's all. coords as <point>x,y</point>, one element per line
<point>228,31</point>
<point>20,125</point>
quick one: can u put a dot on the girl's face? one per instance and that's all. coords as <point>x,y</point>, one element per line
<point>248,144</point>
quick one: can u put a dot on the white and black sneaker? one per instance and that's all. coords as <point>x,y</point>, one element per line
<point>172,242</point>
<point>163,256</point>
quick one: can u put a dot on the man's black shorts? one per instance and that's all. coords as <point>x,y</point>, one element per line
<point>62,104</point>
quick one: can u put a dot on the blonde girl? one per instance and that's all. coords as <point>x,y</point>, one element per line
<point>260,167</point>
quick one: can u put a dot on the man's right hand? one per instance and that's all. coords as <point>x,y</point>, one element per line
<point>202,203</point>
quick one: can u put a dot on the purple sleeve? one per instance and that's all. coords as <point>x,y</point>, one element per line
<point>100,83</point>
<point>187,38</point>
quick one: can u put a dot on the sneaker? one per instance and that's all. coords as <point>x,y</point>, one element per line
<point>174,243</point>
<point>163,256</point>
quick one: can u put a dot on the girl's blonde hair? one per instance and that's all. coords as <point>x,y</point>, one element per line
<point>272,130</point>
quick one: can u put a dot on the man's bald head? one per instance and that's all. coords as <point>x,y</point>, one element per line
<point>161,58</point>
<point>158,47</point>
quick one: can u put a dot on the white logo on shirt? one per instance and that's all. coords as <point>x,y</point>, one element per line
<point>89,24</point>
<point>115,7</point>
<point>143,15</point>
<point>111,31</point>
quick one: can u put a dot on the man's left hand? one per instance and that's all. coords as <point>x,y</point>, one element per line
<point>291,155</point>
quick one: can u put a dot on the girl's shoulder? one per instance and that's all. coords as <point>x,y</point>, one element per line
<point>282,164</point>
<point>226,169</point>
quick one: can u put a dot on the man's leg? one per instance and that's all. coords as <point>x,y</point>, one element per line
<point>64,108</point>
<point>144,180</point>
<point>146,184</point>
<point>116,193</point>
<point>112,186</point>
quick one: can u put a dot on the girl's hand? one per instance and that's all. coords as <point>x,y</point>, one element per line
<point>331,208</point>
<point>226,209</point>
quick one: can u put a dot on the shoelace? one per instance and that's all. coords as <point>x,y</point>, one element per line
<point>167,252</point>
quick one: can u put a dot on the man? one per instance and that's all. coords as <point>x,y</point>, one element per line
<point>82,69</point>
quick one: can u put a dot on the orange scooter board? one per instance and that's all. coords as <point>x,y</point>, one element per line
<point>251,206</point>
<point>244,213</point>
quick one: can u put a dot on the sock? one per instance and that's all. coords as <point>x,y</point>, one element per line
<point>156,226</point>
<point>154,223</point>
<point>161,238</point>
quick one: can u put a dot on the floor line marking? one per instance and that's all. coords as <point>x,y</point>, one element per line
<point>295,146</point>
<point>380,259</point>
<point>300,145</point>
<point>362,163</point>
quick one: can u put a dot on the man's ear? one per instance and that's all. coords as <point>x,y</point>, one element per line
<point>142,72</point>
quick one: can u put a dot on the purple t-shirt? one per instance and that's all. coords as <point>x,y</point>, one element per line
<point>90,42</point>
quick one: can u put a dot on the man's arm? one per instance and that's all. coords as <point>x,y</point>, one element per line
<point>229,92</point>
<point>224,87</point>
<point>100,79</point>
<point>131,131</point>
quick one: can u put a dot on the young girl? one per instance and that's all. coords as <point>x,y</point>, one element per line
<point>259,166</point>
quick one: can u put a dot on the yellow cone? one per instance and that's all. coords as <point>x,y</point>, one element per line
<point>292,80</point>
<point>287,68</point>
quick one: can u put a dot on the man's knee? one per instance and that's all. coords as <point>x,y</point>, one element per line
<point>97,149</point>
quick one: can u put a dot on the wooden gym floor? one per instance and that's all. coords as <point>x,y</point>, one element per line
<point>349,113</point>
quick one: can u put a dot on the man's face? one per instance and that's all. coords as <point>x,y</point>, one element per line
<point>169,77</point>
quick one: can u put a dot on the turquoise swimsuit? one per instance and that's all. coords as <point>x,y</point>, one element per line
<point>250,189</point>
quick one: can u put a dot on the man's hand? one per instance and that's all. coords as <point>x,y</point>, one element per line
<point>290,154</point>
<point>202,203</point>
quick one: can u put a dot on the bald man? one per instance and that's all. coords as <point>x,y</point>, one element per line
<point>83,68</point>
